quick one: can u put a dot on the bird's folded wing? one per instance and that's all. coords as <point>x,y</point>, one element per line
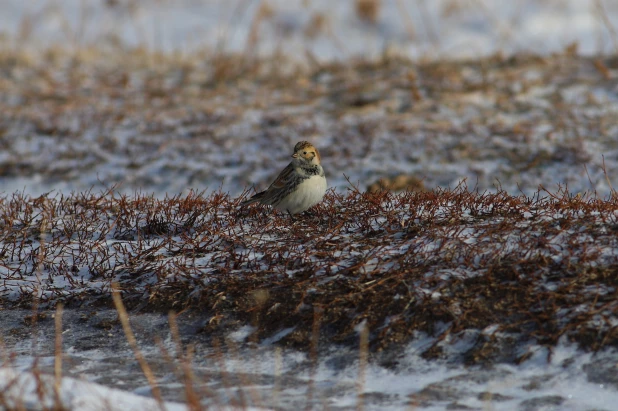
<point>284,180</point>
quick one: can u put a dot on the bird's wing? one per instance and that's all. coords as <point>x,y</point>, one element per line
<point>283,180</point>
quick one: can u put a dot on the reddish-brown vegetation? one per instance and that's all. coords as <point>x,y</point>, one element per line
<point>441,262</point>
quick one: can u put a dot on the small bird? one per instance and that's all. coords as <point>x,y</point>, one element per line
<point>300,185</point>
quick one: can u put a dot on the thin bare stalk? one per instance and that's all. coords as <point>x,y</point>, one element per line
<point>126,326</point>
<point>363,352</point>
<point>313,352</point>
<point>193,400</point>
<point>58,355</point>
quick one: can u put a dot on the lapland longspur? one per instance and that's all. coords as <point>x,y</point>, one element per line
<point>300,185</point>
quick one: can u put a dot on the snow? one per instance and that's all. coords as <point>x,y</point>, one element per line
<point>440,28</point>
<point>31,391</point>
<point>565,379</point>
<point>279,379</point>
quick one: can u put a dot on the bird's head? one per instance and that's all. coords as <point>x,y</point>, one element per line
<point>305,151</point>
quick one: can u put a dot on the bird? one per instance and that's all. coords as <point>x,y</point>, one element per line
<point>300,185</point>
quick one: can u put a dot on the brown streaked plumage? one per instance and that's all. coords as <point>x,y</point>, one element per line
<point>299,186</point>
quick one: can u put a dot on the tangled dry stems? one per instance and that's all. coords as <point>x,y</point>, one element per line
<point>449,263</point>
<point>74,119</point>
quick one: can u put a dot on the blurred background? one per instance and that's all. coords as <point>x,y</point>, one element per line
<point>166,96</point>
<point>325,29</point>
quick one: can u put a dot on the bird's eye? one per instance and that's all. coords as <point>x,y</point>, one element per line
<point>304,152</point>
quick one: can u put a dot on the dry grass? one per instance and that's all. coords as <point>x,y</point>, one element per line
<point>114,117</point>
<point>538,268</point>
<point>368,10</point>
<point>385,266</point>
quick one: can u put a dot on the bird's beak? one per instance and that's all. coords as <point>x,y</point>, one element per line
<point>295,155</point>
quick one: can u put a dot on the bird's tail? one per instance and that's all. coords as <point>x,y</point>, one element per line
<point>255,199</point>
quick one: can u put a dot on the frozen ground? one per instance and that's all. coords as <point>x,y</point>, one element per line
<point>506,288</point>
<point>514,123</point>
<point>263,377</point>
<point>326,29</point>
<point>71,122</point>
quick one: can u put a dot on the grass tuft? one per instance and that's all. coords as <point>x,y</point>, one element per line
<point>534,268</point>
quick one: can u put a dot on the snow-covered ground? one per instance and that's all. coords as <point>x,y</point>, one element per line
<point>328,29</point>
<point>264,377</point>
<point>569,379</point>
<point>25,390</point>
<point>503,124</point>
<point>510,123</point>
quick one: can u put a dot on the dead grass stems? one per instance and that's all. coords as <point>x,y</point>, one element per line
<point>385,266</point>
<point>126,326</point>
<point>201,252</point>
